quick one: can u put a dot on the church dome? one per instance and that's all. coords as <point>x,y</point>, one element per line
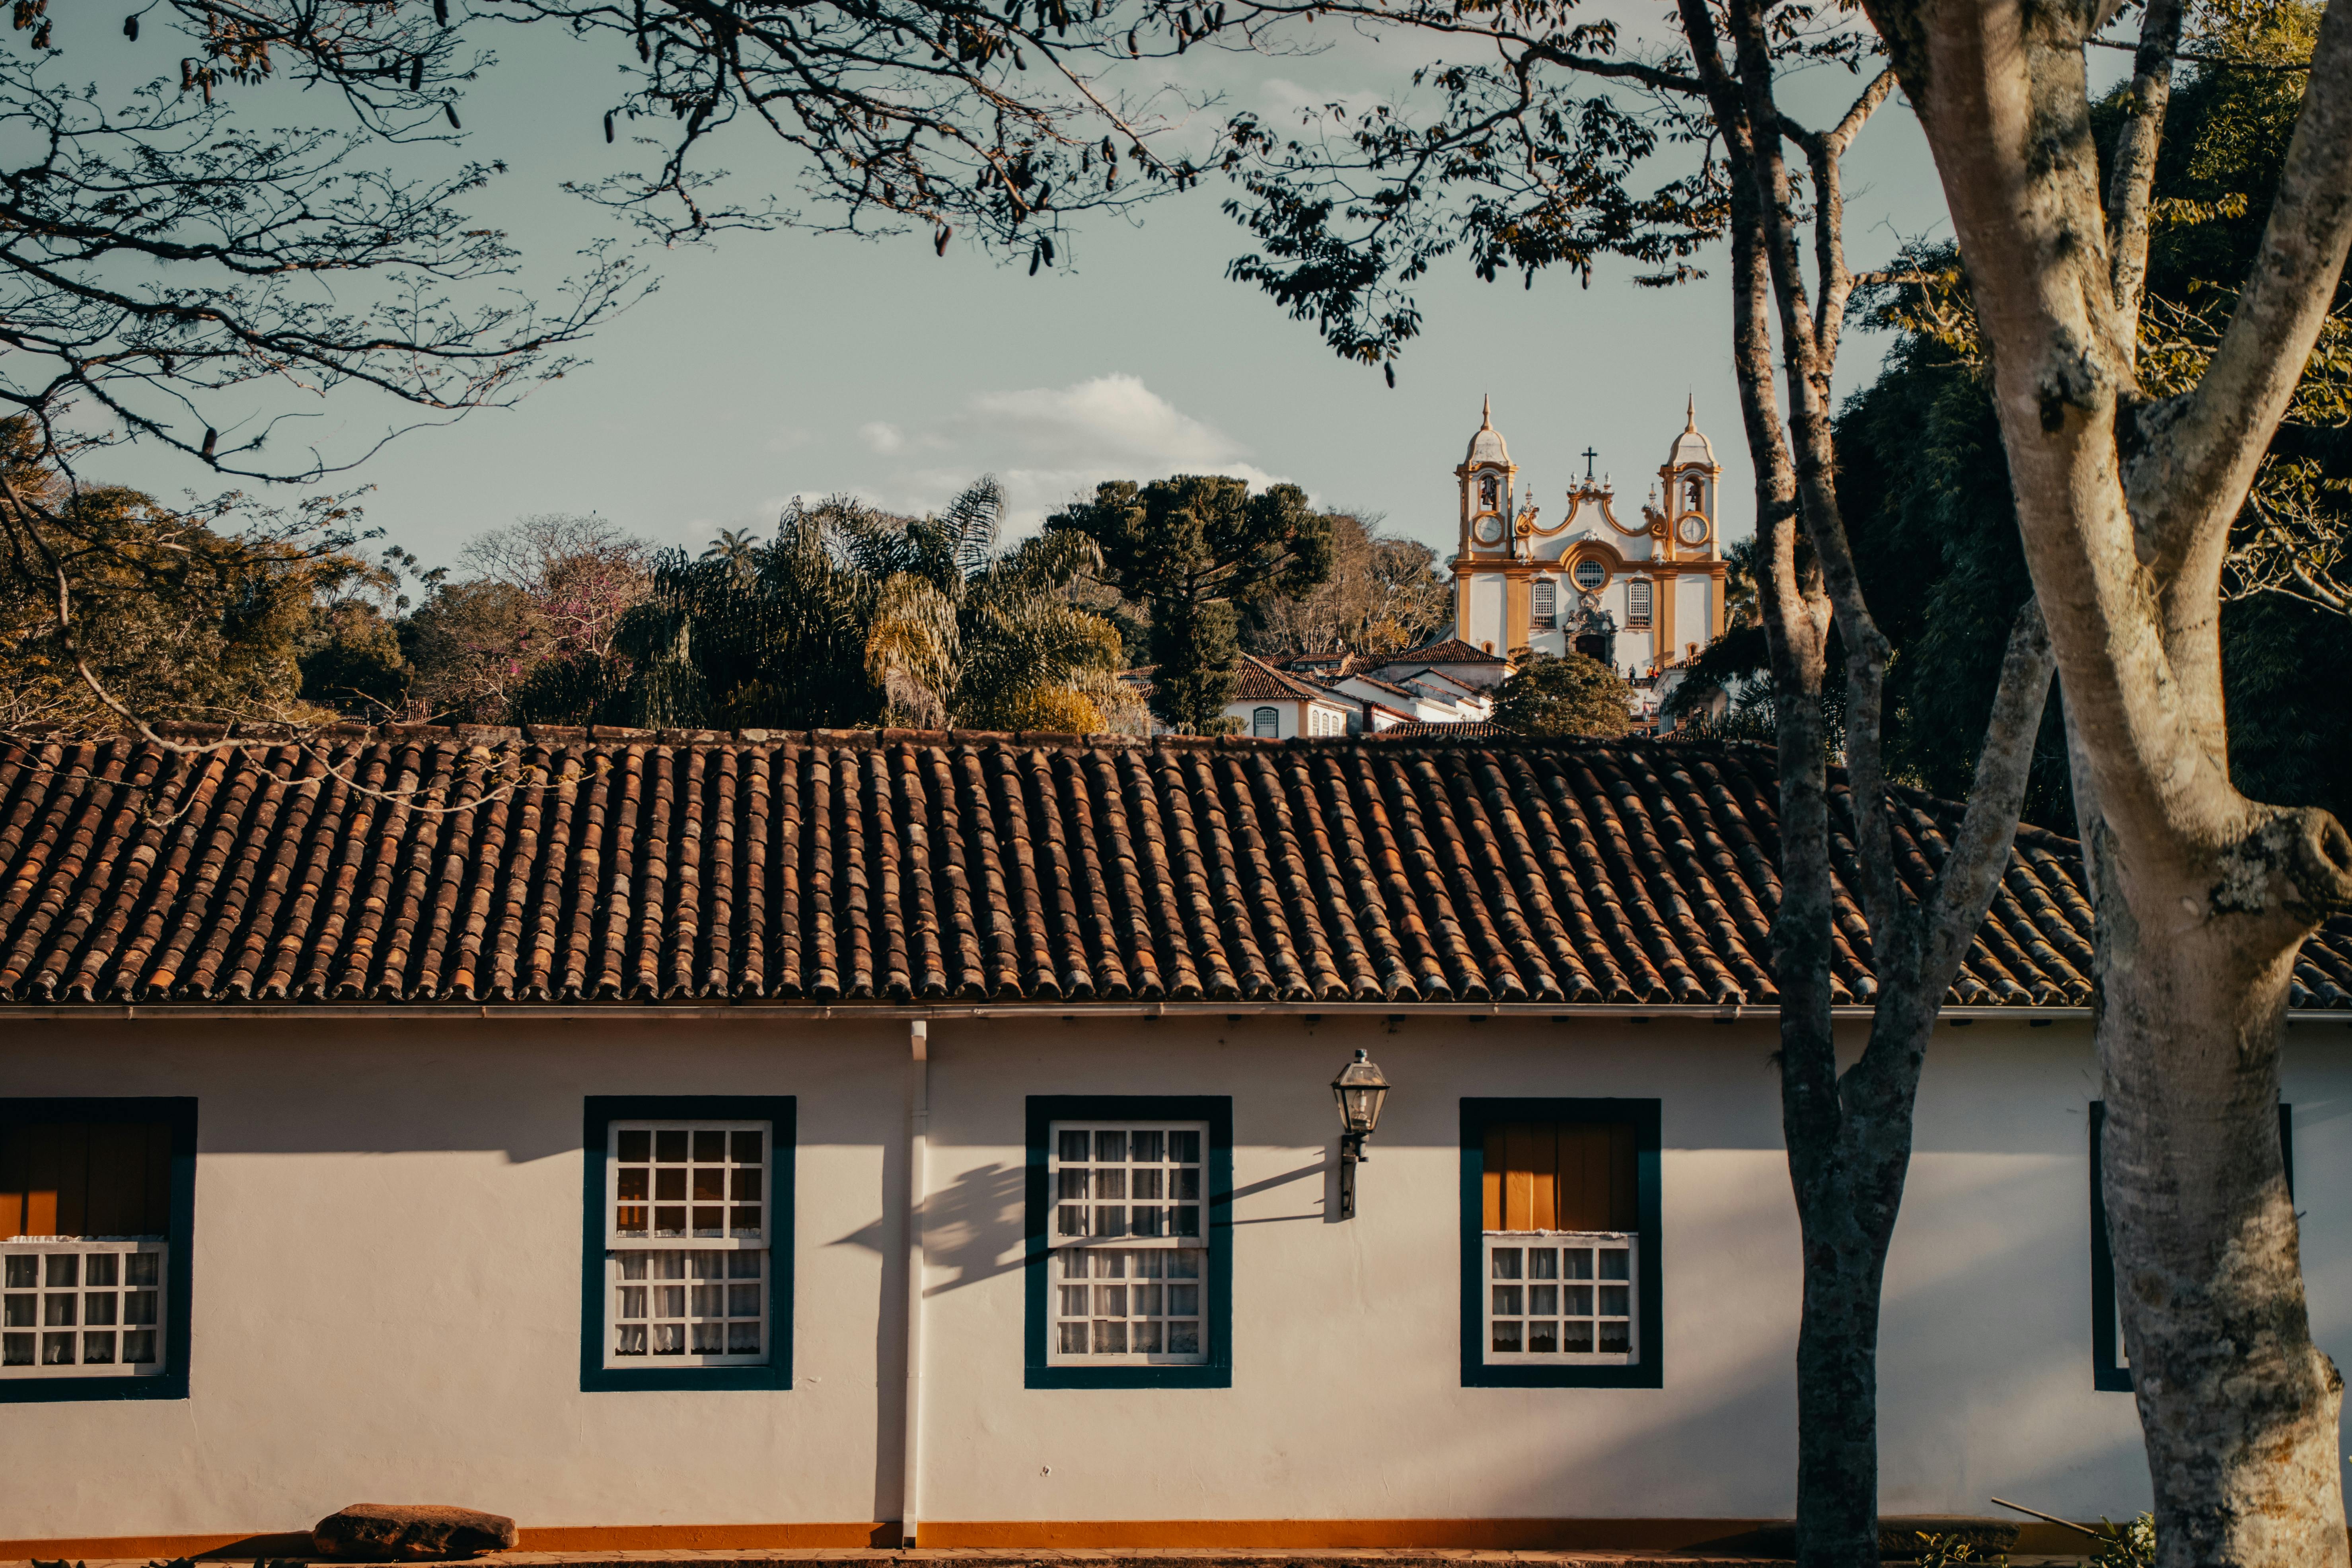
<point>1690,447</point>
<point>1486,445</point>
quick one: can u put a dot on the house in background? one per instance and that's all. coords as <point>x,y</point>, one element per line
<point>1273,705</point>
<point>734,1142</point>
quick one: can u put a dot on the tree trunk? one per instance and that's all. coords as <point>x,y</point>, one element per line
<point>2238,1408</point>
<point>2202,897</point>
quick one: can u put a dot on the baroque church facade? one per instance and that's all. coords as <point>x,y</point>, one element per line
<point>1645,594</point>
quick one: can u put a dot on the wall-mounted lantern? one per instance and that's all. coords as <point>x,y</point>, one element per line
<point>1359,1088</point>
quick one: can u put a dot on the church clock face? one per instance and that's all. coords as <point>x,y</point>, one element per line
<point>1693,529</point>
<point>1489,529</point>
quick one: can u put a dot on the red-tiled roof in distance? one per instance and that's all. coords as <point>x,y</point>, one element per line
<point>1255,680</point>
<point>1447,728</point>
<point>911,867</point>
<point>1448,651</point>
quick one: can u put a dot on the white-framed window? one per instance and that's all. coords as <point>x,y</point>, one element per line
<point>1130,1254</point>
<point>1638,602</point>
<point>76,1307</point>
<point>1591,576</point>
<point>1562,1298</point>
<point>688,1217</point>
<point>1547,603</point>
<point>1322,721</point>
<point>1265,724</point>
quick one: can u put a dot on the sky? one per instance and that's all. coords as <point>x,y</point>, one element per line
<point>771,365</point>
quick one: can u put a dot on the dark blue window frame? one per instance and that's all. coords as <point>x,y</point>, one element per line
<point>1642,1116</point>
<point>179,1272</point>
<point>2107,1375</point>
<point>781,1111</point>
<point>1217,1110</point>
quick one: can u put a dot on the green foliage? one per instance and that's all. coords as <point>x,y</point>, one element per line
<point>1937,1551</point>
<point>1564,696</point>
<point>176,615</point>
<point>2131,1545</point>
<point>852,617</point>
<point>1192,550</point>
<point>1924,478</point>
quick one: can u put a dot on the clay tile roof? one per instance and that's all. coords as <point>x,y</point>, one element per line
<point>423,864</point>
<point>1441,729</point>
<point>1255,680</point>
<point>1448,650</point>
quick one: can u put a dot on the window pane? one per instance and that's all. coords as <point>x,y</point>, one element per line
<point>1073,1299</point>
<point>1147,1299</point>
<point>15,1349</point>
<point>1071,1184</point>
<point>1506,1336</point>
<point>747,1147</point>
<point>1110,1300</point>
<point>1507,1301</point>
<point>1110,1265</point>
<point>1110,1183</point>
<point>1184,1148</point>
<point>1577,1339</point>
<point>1146,1338</point>
<point>1506,1263</point>
<point>1070,1220</point>
<point>56,1310</point>
<point>1150,1264</point>
<point>144,1269</point>
<point>1543,1300</point>
<point>743,1219</point>
<point>1143,1148</point>
<point>23,1271</point>
<point>1074,1265</point>
<point>1543,1263</point>
<point>1184,1264</point>
<point>1074,1148</point>
<point>98,1309</point>
<point>1543,1337</point>
<point>633,1265</point>
<point>18,1311</point>
<point>98,1349</point>
<point>139,1307</point>
<point>1579,1301</point>
<point>631,1303</point>
<point>1616,1339</point>
<point>669,1147</point>
<point>138,1346</point>
<point>742,1265</point>
<point>1612,1300</point>
<point>1613,1264</point>
<point>1109,1221</point>
<point>669,1338</point>
<point>743,1339</point>
<point>1110,1339</point>
<point>709,1184</point>
<point>1183,1301</point>
<point>1183,1339</point>
<point>710,1339</point>
<point>633,1184</point>
<point>1110,1147</point>
<point>1075,1338</point>
<point>709,1144</point>
<point>56,1350</point>
<point>1144,1184</point>
<point>636,1146</point>
<point>1580,1263</point>
<point>101,1270</point>
<point>64,1269</point>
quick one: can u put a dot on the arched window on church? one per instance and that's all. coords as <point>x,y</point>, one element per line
<point>1637,602</point>
<point>1546,603</point>
<point>1266,724</point>
<point>1488,493</point>
<point>1695,493</point>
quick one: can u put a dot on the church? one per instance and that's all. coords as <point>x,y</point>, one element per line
<point>1645,594</point>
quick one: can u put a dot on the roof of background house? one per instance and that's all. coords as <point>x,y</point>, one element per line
<point>1462,686</point>
<point>1374,680</point>
<point>1446,650</point>
<point>897,865</point>
<point>1255,680</point>
<point>1443,728</point>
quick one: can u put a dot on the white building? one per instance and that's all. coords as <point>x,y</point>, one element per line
<point>1645,593</point>
<point>777,1142</point>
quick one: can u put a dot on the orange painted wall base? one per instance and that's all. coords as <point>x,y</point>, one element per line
<point>1047,1535</point>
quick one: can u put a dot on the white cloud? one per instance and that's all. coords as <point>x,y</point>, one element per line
<point>1047,445</point>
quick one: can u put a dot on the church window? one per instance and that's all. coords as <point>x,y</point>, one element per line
<point>1591,576</point>
<point>1637,603</point>
<point>1546,603</point>
<point>1266,724</point>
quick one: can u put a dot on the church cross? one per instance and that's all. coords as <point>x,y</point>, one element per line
<point>1587,454</point>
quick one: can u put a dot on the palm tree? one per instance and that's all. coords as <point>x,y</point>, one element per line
<point>852,617</point>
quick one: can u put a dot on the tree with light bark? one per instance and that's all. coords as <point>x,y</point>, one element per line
<point>2126,498</point>
<point>1529,164</point>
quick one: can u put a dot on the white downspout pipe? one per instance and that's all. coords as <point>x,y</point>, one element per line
<point>918,1137</point>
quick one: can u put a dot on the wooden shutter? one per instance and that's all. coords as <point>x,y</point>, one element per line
<point>85,1178</point>
<point>1554,1176</point>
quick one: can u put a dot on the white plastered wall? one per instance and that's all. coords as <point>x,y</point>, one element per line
<point>387,1282</point>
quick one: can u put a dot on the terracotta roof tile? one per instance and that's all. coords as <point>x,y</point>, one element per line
<point>1450,865</point>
